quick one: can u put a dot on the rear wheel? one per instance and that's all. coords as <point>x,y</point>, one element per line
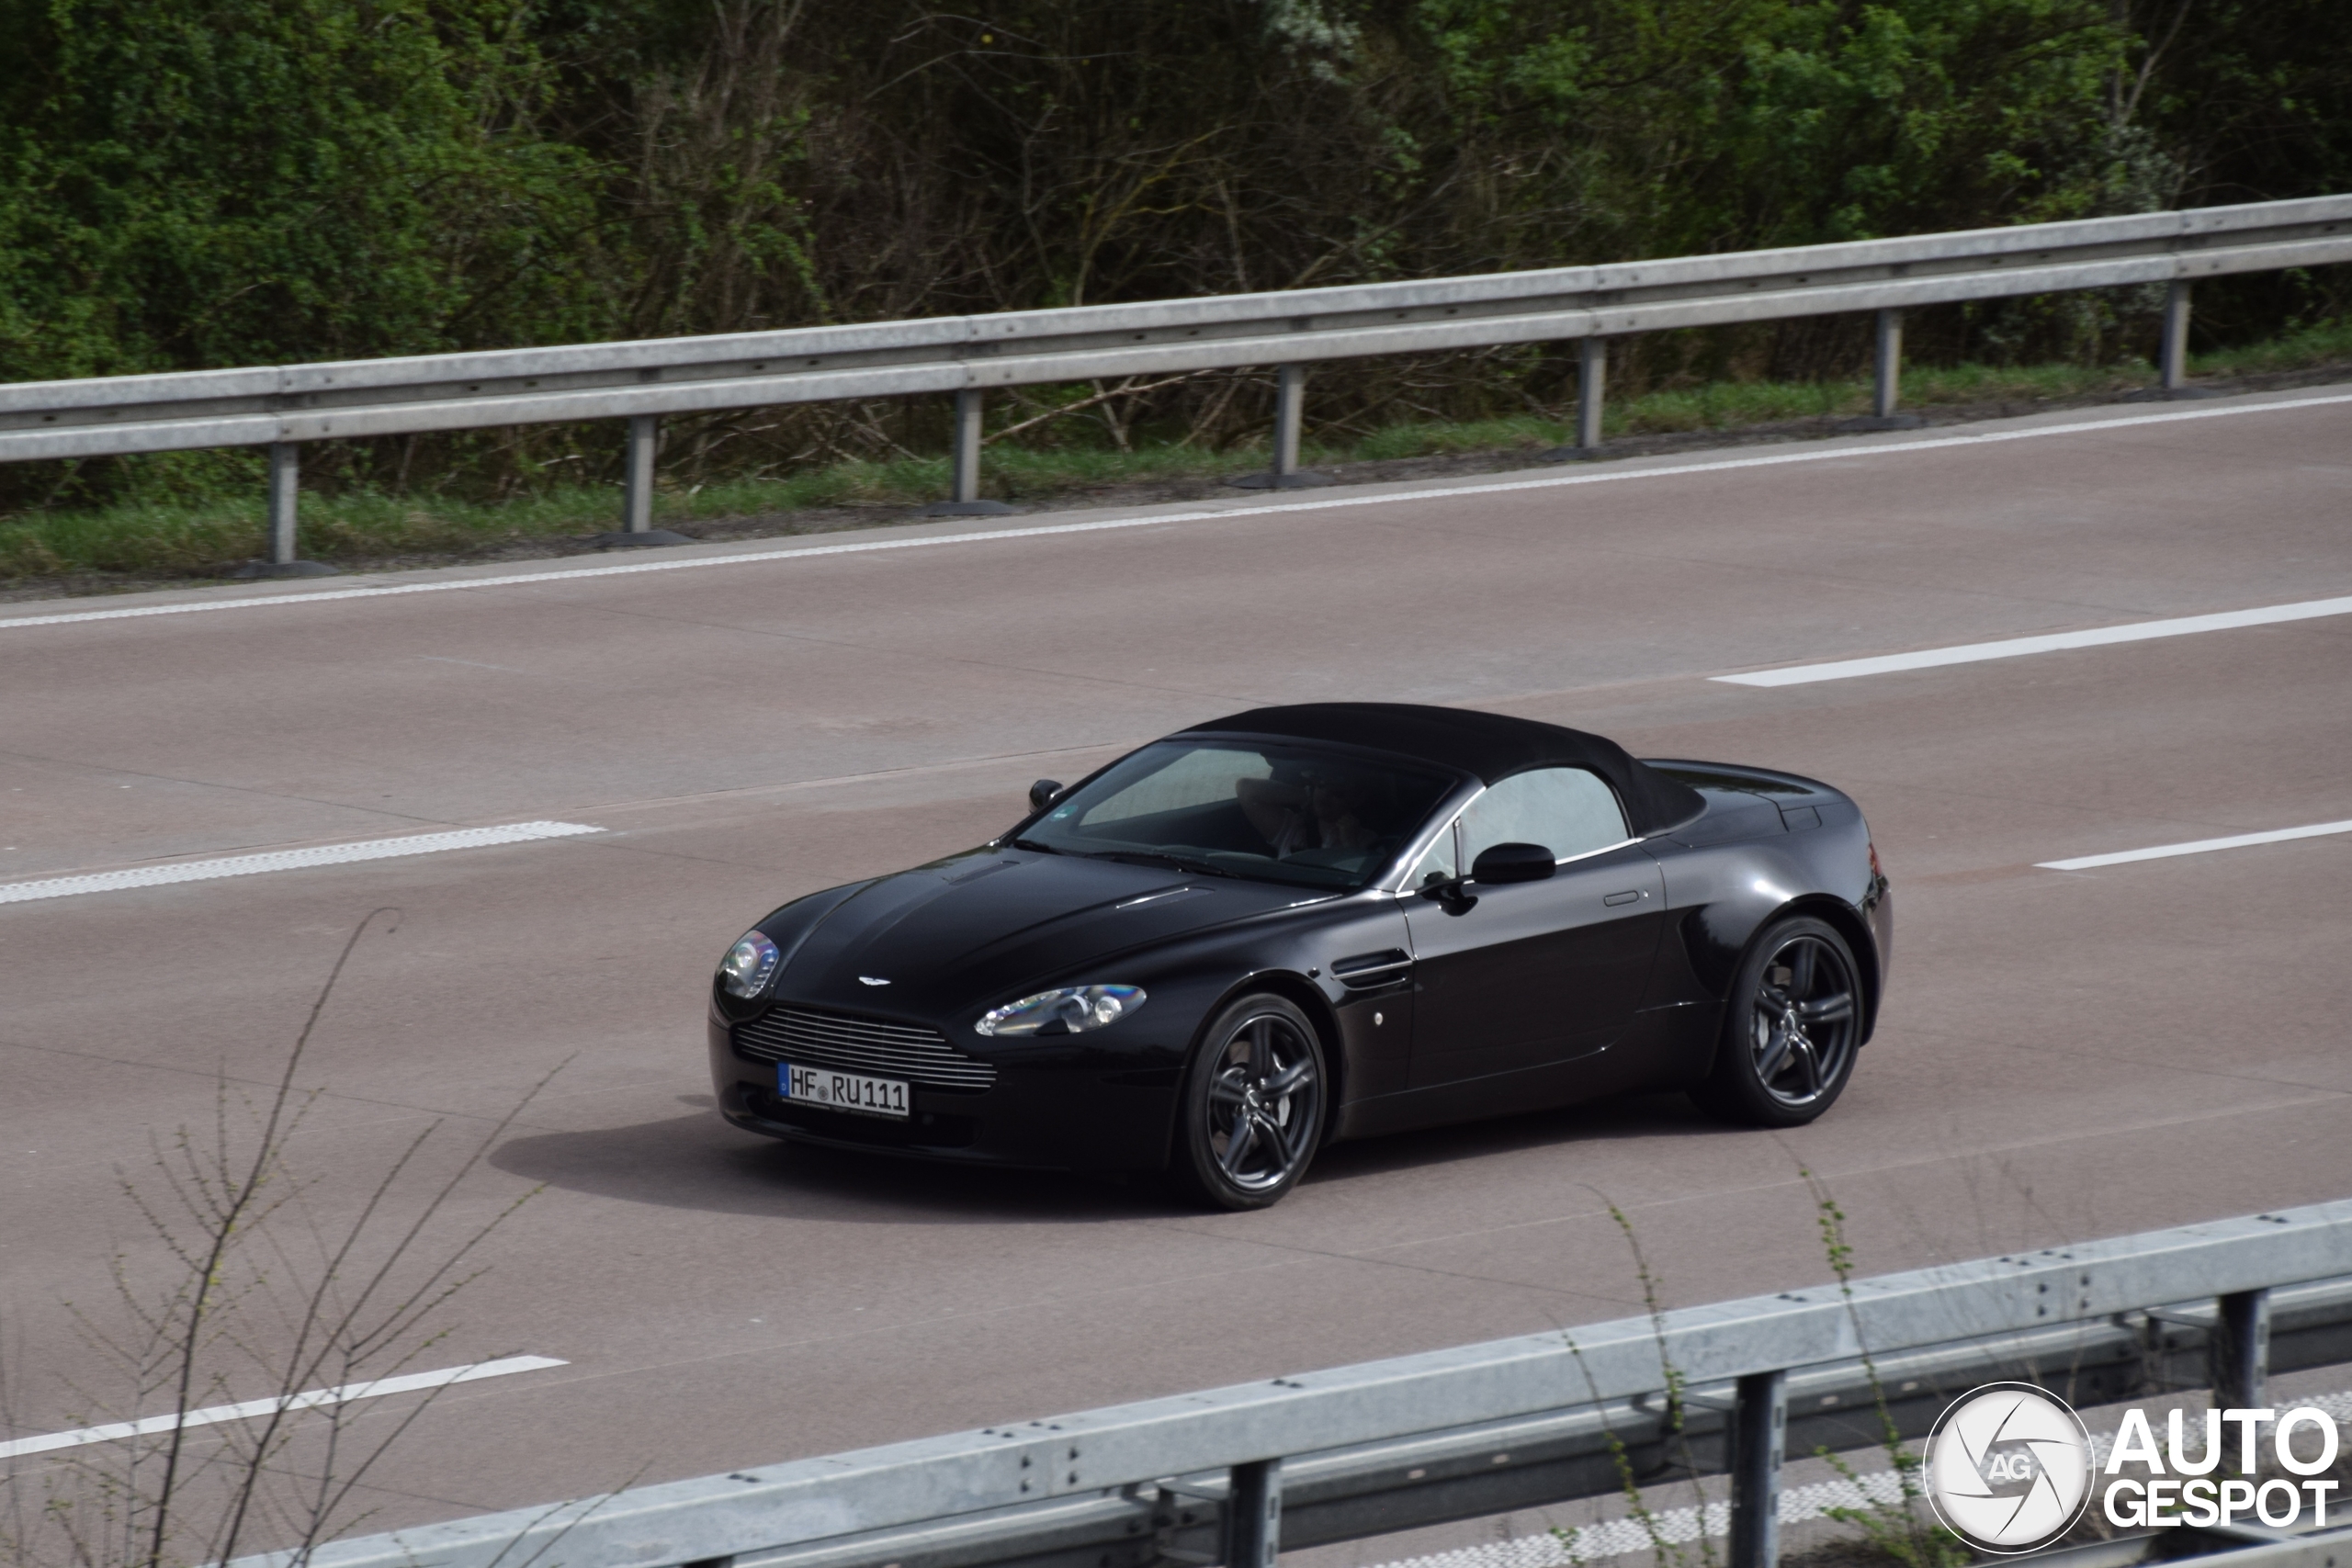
<point>1254,1104</point>
<point>1791,1030</point>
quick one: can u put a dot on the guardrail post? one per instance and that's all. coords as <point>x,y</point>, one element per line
<point>1253,1514</point>
<point>2172,354</point>
<point>637,482</point>
<point>1592,383</point>
<point>637,489</point>
<point>1290,415</point>
<point>1887,379</point>
<point>1886,364</point>
<point>970,413</point>
<point>1593,387</point>
<point>285,496</point>
<point>1290,418</point>
<point>2240,1350</point>
<point>964,489</point>
<point>285,500</point>
<point>1760,1424</point>
<point>2173,357</point>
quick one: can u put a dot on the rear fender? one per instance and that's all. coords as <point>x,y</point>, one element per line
<point>1849,924</point>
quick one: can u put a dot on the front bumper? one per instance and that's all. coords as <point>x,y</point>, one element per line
<point>1097,1114</point>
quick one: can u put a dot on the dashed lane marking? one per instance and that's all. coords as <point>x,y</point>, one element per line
<point>2017,647</point>
<point>2196,847</point>
<point>288,859</point>
<point>408,1382</point>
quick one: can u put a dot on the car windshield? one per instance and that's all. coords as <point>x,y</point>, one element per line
<point>1246,808</point>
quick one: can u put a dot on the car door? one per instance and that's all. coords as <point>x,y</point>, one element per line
<point>1530,973</point>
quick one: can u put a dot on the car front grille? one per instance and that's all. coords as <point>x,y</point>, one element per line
<point>807,1038</point>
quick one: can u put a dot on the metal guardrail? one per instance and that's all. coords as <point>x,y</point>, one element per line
<point>283,406</point>
<point>2237,1547</point>
<point>1226,1475</point>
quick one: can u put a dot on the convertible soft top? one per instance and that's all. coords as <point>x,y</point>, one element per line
<point>1491,745</point>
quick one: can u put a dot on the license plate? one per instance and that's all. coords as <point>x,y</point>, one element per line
<point>843,1091</point>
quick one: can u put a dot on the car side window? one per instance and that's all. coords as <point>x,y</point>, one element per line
<point>1437,864</point>
<point>1567,810</point>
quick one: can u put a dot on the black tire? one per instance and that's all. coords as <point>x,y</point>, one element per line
<point>1252,1112</point>
<point>1793,1025</point>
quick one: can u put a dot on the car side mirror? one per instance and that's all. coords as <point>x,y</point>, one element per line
<point>1512,862</point>
<point>1044,793</point>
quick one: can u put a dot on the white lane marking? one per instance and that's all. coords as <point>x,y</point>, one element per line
<point>1584,477</point>
<point>288,859</point>
<point>408,1382</point>
<point>2016,646</point>
<point>2196,847</point>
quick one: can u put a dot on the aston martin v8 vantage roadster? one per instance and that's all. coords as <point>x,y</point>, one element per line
<point>1296,925</point>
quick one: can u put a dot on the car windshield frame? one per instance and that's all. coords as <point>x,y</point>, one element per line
<point>1307,789</point>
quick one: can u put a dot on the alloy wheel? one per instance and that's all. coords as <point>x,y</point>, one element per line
<point>1265,1103</point>
<point>1803,1026</point>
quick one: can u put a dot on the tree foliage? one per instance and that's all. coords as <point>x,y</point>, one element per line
<point>194,183</point>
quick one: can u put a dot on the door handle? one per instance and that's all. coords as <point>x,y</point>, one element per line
<point>1629,896</point>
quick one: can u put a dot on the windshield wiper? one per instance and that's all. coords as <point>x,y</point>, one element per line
<point>1157,857</point>
<point>1034,844</point>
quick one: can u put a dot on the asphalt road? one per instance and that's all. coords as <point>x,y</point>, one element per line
<point>2063,1056</point>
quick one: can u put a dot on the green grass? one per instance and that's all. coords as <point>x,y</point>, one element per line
<point>2312,346</point>
<point>199,540</point>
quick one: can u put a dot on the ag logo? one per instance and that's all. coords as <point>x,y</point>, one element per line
<point>2008,1467</point>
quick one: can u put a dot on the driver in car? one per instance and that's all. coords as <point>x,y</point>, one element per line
<point>1309,811</point>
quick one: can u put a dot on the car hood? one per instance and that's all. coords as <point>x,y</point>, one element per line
<point>980,929</point>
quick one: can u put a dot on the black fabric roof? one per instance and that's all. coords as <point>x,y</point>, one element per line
<point>1491,745</point>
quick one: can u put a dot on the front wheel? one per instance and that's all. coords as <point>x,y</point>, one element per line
<point>1790,1028</point>
<point>1254,1104</point>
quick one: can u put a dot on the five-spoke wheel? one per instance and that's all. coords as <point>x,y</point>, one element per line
<point>1254,1104</point>
<point>1790,1030</point>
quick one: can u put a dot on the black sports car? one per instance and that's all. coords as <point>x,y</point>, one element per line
<point>1300,924</point>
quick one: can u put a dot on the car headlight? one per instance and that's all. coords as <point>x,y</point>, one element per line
<point>1073,1010</point>
<point>748,965</point>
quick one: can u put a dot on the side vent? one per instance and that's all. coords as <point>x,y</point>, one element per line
<point>1370,971</point>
